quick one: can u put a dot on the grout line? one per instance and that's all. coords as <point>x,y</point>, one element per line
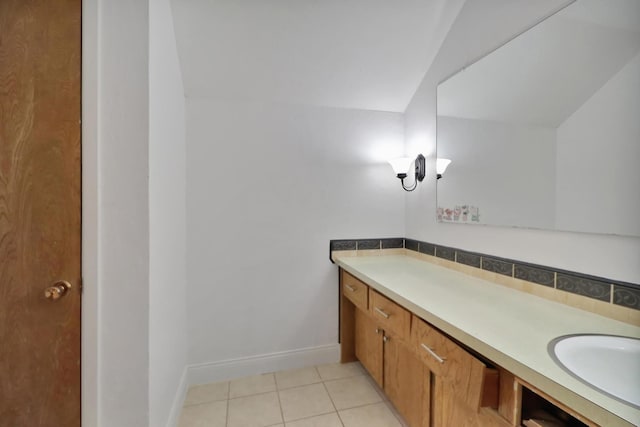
<point>300,385</point>
<point>611,291</point>
<point>330,398</point>
<point>275,380</point>
<point>252,394</point>
<point>280,405</point>
<point>377,388</point>
<point>384,402</point>
<point>226,421</point>
<point>332,403</point>
<point>208,402</point>
<point>307,418</point>
<point>396,413</point>
<point>344,378</point>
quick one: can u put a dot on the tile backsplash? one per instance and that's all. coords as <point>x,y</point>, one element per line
<point>610,291</point>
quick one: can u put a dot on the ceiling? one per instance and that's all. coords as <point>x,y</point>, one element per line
<point>546,74</point>
<point>362,54</point>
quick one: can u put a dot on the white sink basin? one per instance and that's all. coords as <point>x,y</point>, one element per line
<point>608,363</point>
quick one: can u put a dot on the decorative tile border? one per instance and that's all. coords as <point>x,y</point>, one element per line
<point>446,253</point>
<point>365,244</point>
<point>343,245</point>
<point>368,244</point>
<point>467,258</point>
<point>427,248</point>
<point>582,286</point>
<point>537,275</point>
<point>618,293</point>
<point>626,296</point>
<point>496,265</point>
<point>412,245</point>
<point>394,243</point>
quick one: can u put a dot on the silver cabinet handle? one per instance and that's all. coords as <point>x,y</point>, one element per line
<point>432,353</point>
<point>382,313</point>
<point>378,330</point>
<point>351,288</point>
<point>385,338</point>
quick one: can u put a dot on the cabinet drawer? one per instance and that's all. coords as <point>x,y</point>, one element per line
<point>389,315</point>
<point>355,290</point>
<point>469,378</point>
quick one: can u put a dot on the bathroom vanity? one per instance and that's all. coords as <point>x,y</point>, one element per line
<point>450,349</point>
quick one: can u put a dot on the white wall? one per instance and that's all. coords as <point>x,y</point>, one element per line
<point>134,267</point>
<point>357,54</point>
<point>267,187</point>
<point>481,27</point>
<point>167,220</point>
<point>115,345</point>
<point>598,159</point>
<point>519,192</point>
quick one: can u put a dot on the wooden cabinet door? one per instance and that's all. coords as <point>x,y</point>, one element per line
<point>407,382</point>
<point>451,410</point>
<point>448,409</point>
<point>368,343</point>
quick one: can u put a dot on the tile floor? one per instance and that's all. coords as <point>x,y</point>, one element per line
<point>336,395</point>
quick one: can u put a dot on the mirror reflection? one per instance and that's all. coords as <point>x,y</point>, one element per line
<point>544,132</point>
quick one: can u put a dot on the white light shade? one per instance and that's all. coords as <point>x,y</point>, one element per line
<point>401,164</point>
<point>441,165</point>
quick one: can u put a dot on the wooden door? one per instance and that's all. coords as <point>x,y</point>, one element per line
<point>448,409</point>
<point>368,344</point>
<point>40,96</point>
<point>407,382</point>
<point>452,409</point>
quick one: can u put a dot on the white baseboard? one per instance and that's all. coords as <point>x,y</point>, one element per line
<point>178,400</point>
<point>204,373</point>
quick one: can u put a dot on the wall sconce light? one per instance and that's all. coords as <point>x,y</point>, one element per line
<point>441,166</point>
<point>401,167</point>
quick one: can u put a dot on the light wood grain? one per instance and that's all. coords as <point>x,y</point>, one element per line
<point>491,418</point>
<point>369,350</point>
<point>347,331</point>
<point>355,290</point>
<point>490,389</point>
<point>450,410</point>
<point>407,382</point>
<point>510,398</point>
<point>396,318</point>
<point>464,373</point>
<point>39,212</point>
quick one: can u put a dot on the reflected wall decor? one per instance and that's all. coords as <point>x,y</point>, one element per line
<point>544,131</point>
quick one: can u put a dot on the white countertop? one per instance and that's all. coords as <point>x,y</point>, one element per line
<point>509,327</point>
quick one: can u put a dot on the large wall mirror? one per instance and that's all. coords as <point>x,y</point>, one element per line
<point>544,132</point>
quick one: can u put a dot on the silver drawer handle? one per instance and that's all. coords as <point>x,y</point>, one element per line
<point>382,313</point>
<point>433,353</point>
<point>351,288</point>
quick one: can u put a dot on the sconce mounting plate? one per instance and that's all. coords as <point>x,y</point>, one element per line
<point>420,167</point>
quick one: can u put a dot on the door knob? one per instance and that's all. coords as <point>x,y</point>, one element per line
<point>57,290</point>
